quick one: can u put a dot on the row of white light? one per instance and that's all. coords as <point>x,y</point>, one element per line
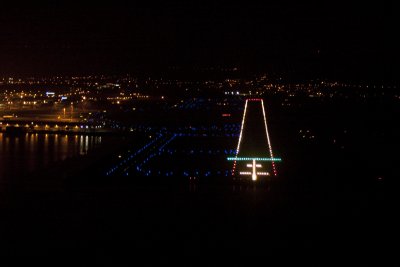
<point>240,137</point>
<point>241,129</point>
<point>258,173</point>
<point>250,158</point>
<point>269,142</point>
<point>251,165</point>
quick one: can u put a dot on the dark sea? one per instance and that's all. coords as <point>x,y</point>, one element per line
<point>27,153</point>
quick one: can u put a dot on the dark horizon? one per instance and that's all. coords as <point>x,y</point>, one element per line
<point>330,41</point>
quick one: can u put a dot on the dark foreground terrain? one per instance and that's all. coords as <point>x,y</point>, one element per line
<point>103,222</point>
<point>335,193</point>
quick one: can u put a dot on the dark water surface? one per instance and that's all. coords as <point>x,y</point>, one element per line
<point>27,153</point>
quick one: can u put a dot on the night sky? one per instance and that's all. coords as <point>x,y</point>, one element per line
<point>337,40</point>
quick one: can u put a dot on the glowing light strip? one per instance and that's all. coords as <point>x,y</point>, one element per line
<point>241,129</point>
<point>251,165</point>
<point>258,173</point>
<point>240,137</point>
<point>254,174</point>
<point>269,141</point>
<point>249,159</point>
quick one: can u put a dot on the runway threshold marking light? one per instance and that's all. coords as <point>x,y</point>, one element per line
<point>251,158</point>
<point>254,173</point>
